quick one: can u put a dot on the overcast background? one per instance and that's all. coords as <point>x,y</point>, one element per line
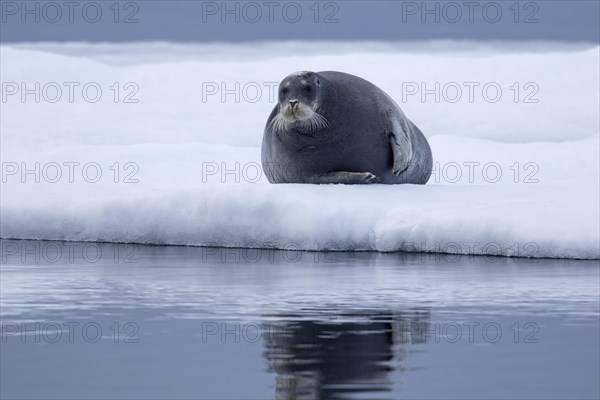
<point>201,21</point>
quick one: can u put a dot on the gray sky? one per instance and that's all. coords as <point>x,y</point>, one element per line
<point>276,20</point>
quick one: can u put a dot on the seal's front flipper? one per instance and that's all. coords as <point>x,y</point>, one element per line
<point>401,146</point>
<point>347,178</point>
<point>402,153</point>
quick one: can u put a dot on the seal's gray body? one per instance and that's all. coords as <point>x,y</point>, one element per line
<point>367,138</point>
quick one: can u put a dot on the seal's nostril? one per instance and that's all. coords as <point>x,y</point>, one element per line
<point>293,103</point>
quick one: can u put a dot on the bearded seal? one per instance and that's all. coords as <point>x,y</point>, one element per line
<point>333,127</point>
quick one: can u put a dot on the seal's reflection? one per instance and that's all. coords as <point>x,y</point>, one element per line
<point>336,355</point>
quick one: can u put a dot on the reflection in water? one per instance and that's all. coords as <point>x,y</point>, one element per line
<point>348,353</point>
<point>315,344</point>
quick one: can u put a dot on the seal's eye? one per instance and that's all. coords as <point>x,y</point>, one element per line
<point>307,89</point>
<point>284,91</point>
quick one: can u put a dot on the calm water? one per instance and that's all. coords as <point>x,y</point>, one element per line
<point>115,321</point>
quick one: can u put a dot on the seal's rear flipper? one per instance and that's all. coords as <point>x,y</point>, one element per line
<point>347,178</point>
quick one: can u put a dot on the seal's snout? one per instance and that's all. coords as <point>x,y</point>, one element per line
<point>293,103</point>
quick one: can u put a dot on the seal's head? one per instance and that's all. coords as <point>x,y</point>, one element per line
<point>299,102</point>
